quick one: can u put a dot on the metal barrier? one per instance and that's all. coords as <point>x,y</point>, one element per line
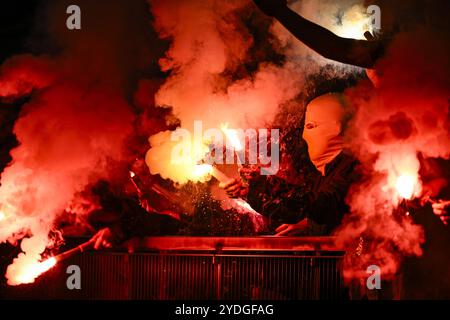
<point>190,268</point>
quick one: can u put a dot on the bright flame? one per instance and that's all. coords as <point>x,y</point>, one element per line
<point>202,171</point>
<point>31,271</point>
<point>232,136</point>
<point>406,185</point>
<point>2,216</point>
<point>402,168</point>
<point>353,23</point>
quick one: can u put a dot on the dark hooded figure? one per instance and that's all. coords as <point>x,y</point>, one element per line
<point>428,276</point>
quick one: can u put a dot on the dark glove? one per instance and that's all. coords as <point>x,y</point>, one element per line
<point>271,7</point>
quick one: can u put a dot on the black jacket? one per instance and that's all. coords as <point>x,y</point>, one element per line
<point>319,198</point>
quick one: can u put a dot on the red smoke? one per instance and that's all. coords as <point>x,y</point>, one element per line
<point>20,75</point>
<point>75,124</point>
<point>212,45</point>
<point>407,114</point>
<point>79,115</point>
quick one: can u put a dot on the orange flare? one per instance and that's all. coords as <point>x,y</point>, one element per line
<point>406,185</point>
<point>29,273</point>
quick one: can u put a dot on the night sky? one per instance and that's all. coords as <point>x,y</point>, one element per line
<point>16,19</point>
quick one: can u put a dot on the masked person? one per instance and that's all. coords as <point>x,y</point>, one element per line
<point>315,206</point>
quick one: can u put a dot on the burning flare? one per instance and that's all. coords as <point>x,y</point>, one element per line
<point>405,185</point>
<point>31,271</point>
<point>402,180</point>
<point>232,137</point>
<point>28,272</point>
<point>202,170</point>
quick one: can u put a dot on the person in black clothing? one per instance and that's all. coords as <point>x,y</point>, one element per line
<point>435,174</point>
<point>315,206</point>
<point>428,276</point>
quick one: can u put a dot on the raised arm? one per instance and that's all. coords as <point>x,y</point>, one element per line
<point>350,51</point>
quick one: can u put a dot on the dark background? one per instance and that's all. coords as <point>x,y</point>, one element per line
<point>16,23</point>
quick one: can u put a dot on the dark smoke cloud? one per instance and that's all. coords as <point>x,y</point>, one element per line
<point>398,127</point>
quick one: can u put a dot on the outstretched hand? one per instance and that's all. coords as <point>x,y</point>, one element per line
<point>270,7</point>
<point>249,172</point>
<point>235,188</point>
<point>103,239</point>
<point>295,229</point>
<point>239,188</point>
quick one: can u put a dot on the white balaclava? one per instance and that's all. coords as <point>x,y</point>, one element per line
<point>323,129</point>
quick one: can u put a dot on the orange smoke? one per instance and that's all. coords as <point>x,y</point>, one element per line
<point>207,82</point>
<point>178,160</point>
<point>212,49</point>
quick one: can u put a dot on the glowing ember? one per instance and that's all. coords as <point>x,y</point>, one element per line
<point>405,186</point>
<point>28,273</point>
<point>132,174</point>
